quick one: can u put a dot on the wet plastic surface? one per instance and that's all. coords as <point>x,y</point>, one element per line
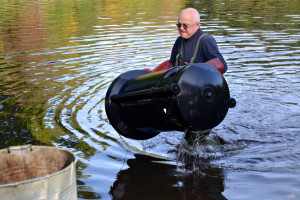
<point>140,105</point>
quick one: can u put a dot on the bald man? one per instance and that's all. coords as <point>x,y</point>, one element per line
<point>193,45</point>
<point>186,50</point>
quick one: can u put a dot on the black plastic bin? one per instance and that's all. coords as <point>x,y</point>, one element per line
<point>140,105</point>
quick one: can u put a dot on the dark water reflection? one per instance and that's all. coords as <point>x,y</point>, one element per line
<point>157,177</point>
<point>57,59</point>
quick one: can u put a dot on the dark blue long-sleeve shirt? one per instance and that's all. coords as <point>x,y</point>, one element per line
<point>208,49</point>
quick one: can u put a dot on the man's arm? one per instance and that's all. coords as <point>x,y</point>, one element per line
<point>216,62</point>
<point>212,54</point>
<point>162,66</point>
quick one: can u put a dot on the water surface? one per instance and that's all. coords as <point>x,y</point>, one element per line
<point>57,59</point>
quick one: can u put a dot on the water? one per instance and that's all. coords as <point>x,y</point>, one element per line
<point>57,59</point>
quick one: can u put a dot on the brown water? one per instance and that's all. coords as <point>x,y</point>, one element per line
<point>57,59</point>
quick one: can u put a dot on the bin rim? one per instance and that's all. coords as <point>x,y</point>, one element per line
<point>22,147</point>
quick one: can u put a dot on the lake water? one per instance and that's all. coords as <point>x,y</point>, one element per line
<point>57,59</point>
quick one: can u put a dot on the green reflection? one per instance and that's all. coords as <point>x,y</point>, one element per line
<point>249,14</point>
<point>13,128</point>
<point>30,30</point>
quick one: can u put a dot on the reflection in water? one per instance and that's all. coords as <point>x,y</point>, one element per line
<point>84,191</point>
<point>57,59</point>
<point>152,178</point>
<point>12,127</point>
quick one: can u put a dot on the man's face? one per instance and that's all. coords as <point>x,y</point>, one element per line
<point>188,26</point>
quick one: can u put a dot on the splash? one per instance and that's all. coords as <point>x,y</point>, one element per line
<point>197,148</point>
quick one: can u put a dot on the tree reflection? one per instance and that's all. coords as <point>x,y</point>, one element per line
<point>13,129</point>
<point>248,14</point>
<point>84,191</point>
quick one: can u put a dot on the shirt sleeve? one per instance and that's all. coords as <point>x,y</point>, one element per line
<point>209,49</point>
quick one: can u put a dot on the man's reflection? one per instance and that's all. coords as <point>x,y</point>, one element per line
<point>152,178</point>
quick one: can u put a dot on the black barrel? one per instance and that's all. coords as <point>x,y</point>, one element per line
<point>140,105</point>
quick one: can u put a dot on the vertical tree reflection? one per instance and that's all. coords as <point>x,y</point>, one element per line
<point>13,128</point>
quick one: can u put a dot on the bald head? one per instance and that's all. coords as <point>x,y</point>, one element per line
<point>191,13</point>
<point>188,22</point>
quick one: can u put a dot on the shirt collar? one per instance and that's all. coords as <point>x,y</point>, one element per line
<point>196,35</point>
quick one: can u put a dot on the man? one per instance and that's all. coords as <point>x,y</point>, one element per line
<point>193,45</point>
